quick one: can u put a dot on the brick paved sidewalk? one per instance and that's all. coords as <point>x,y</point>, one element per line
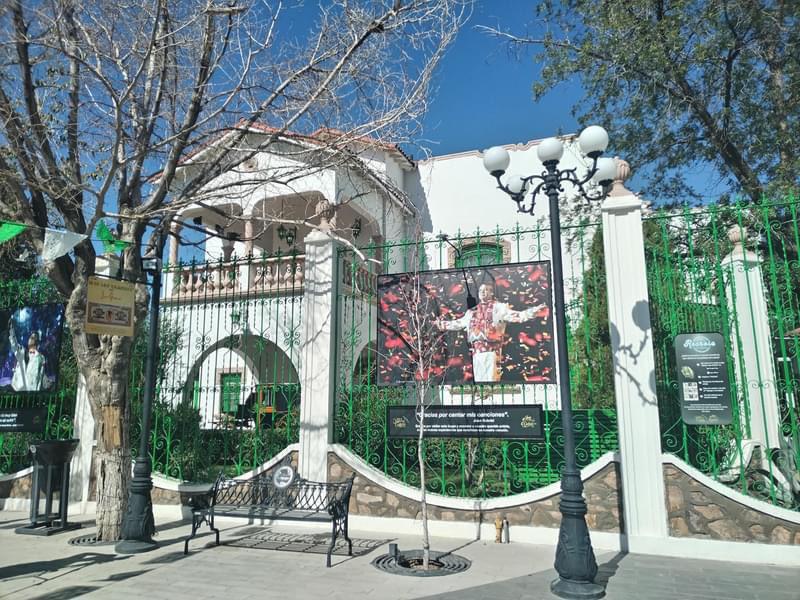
<point>50,569</point>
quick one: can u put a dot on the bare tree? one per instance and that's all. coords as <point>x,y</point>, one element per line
<point>424,353</point>
<point>104,105</point>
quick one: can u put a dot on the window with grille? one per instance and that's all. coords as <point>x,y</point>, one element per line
<point>480,254</point>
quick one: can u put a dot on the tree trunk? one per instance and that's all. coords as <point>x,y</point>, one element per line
<point>426,542</point>
<point>104,362</point>
<point>113,455</point>
<point>113,468</point>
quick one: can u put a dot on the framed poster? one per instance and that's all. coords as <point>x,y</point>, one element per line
<point>703,379</point>
<point>30,343</point>
<point>484,325</point>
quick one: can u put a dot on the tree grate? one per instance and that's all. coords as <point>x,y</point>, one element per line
<point>88,540</point>
<point>409,562</point>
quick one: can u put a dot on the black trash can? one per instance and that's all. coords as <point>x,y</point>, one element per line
<point>50,477</point>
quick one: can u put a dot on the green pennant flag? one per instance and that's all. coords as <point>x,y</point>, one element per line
<point>10,230</point>
<point>110,243</point>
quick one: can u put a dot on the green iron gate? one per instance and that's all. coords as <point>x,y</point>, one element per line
<point>60,404</point>
<point>228,391</point>
<point>477,467</point>
<point>694,288</point>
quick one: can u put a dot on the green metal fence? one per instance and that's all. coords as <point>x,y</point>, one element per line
<point>60,404</point>
<point>228,391</point>
<point>700,280</point>
<point>477,467</point>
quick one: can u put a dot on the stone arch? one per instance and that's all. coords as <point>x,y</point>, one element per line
<point>261,363</point>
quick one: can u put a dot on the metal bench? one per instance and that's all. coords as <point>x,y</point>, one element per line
<point>280,497</point>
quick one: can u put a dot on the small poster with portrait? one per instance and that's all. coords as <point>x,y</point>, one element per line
<point>30,343</point>
<point>109,306</point>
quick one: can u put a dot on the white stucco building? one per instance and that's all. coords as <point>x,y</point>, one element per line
<point>243,293</point>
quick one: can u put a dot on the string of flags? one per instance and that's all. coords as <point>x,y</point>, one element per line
<point>110,243</point>
<point>58,242</point>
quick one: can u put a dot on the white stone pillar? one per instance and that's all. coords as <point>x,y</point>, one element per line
<point>317,370</point>
<point>751,341</point>
<point>644,507</point>
<point>174,279</point>
<point>81,463</point>
<point>246,270</point>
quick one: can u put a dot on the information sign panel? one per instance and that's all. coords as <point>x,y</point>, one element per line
<point>703,379</point>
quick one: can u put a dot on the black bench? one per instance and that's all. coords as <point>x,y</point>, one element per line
<point>275,498</point>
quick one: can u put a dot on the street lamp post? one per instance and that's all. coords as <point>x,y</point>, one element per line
<point>575,561</point>
<point>138,524</point>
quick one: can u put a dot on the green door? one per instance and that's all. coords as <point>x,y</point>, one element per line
<point>231,384</point>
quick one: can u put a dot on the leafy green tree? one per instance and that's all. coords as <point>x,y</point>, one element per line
<point>683,85</point>
<point>591,363</point>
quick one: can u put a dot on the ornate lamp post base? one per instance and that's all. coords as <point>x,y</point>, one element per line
<point>575,561</point>
<point>136,547</point>
<point>138,526</point>
<point>577,590</point>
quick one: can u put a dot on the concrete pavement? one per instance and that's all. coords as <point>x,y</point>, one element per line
<point>50,569</point>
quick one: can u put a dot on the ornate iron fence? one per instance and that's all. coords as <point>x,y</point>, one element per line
<point>473,467</point>
<point>733,270</point>
<point>228,391</point>
<point>60,404</point>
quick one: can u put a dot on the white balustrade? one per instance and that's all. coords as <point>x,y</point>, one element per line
<point>273,275</point>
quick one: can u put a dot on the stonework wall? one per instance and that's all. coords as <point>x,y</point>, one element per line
<point>697,511</point>
<point>166,496</point>
<point>601,490</point>
<point>19,487</point>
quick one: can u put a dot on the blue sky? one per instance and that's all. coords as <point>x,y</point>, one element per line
<point>484,95</point>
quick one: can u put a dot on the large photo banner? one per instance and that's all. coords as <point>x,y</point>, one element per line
<point>482,324</point>
<point>30,342</point>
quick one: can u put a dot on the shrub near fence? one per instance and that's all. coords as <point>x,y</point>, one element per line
<point>693,290</point>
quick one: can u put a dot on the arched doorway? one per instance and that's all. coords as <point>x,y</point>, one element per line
<point>238,407</point>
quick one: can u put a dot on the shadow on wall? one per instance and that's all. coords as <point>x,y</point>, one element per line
<point>419,199</point>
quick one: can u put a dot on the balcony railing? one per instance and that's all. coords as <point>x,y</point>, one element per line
<point>268,275</point>
<point>359,278</point>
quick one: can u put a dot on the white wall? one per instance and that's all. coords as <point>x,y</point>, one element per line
<point>462,195</point>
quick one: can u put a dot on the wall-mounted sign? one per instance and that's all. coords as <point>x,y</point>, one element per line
<point>109,307</point>
<point>31,420</point>
<point>283,477</point>
<point>507,422</point>
<point>703,379</point>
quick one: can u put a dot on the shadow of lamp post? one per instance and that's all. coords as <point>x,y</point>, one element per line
<point>138,524</point>
<point>575,561</point>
